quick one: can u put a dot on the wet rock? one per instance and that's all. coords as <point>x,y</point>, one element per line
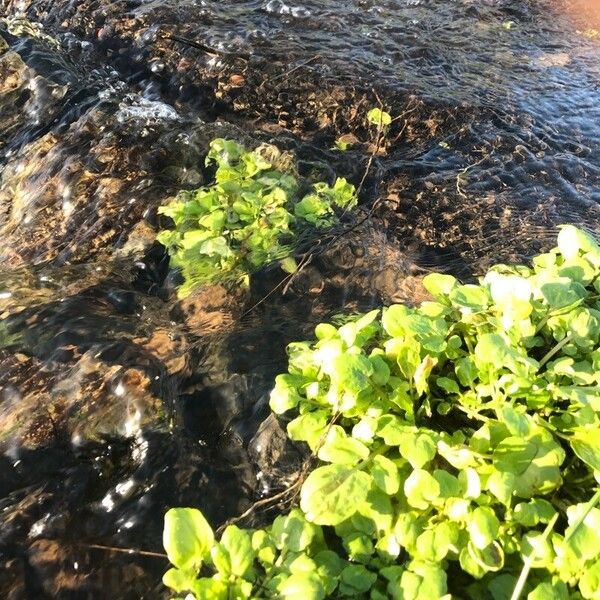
<point>13,579</point>
<point>89,401</point>
<point>277,458</point>
<point>56,569</point>
<point>27,100</point>
<point>62,204</point>
<point>554,59</point>
<point>212,309</point>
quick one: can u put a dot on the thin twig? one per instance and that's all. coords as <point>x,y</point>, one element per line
<point>123,550</point>
<point>204,47</point>
<point>258,504</point>
<point>464,172</point>
<point>377,142</point>
<point>290,71</point>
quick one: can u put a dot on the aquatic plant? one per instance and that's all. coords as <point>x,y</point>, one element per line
<point>457,444</point>
<point>250,216</point>
<point>379,118</point>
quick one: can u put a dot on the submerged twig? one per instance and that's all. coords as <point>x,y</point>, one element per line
<point>290,71</point>
<point>123,550</point>
<point>204,47</point>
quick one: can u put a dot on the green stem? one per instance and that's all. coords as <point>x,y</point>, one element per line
<point>556,349</point>
<point>528,561</point>
<point>588,507</point>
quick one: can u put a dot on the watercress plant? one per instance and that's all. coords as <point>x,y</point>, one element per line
<point>458,446</point>
<point>250,216</point>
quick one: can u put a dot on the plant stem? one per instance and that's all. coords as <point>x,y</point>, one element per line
<point>556,349</point>
<point>528,561</point>
<point>588,507</point>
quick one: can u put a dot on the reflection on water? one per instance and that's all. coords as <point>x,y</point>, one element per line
<point>116,400</point>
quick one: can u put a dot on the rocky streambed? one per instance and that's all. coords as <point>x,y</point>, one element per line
<point>117,400</point>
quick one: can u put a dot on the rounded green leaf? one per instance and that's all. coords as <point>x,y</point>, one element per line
<point>535,463</point>
<point>238,545</point>
<point>378,117</point>
<point>340,448</point>
<point>357,579</point>
<point>589,584</point>
<point>293,531</point>
<point>187,537</point>
<point>178,580</point>
<point>439,285</point>
<point>301,586</point>
<point>385,475</point>
<point>572,240</point>
<point>483,526</point>
<point>352,371</point>
<point>421,489</point>
<point>586,445</point>
<point>333,493</point>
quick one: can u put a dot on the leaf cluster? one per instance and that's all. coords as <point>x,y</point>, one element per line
<point>459,445</point>
<point>250,216</point>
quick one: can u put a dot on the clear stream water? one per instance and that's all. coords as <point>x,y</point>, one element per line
<point>117,401</point>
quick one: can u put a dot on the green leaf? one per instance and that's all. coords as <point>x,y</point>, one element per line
<point>556,590</point>
<point>501,587</point>
<point>210,589</point>
<point>439,285</point>
<point>333,493</point>
<point>385,475</point>
<point>424,582</point>
<point>356,579</point>
<point>289,264</point>
<point>359,547</point>
<point>309,428</point>
<point>378,117</point>
<point>352,372</point>
<point>301,586</point>
<point>179,580</point>
<point>483,526</point>
<point>340,448</point>
<point>533,512</point>
<point>284,396</point>
<point>535,463</point>
<point>586,445</point>
<point>329,566</point>
<point>293,532</point>
<point>394,430</point>
<point>583,538</point>
<point>433,544</point>
<point>562,292</point>
<point>571,241</point>
<point>375,514</point>
<point>589,584</point>
<point>490,558</point>
<point>502,485</point>
<point>418,450</point>
<point>421,489</point>
<point>470,482</point>
<point>474,297</point>
<point>342,145</point>
<point>449,484</point>
<point>517,422</point>
<point>187,537</point>
<point>238,546</point>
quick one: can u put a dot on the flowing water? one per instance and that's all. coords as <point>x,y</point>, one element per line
<point>116,400</point>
